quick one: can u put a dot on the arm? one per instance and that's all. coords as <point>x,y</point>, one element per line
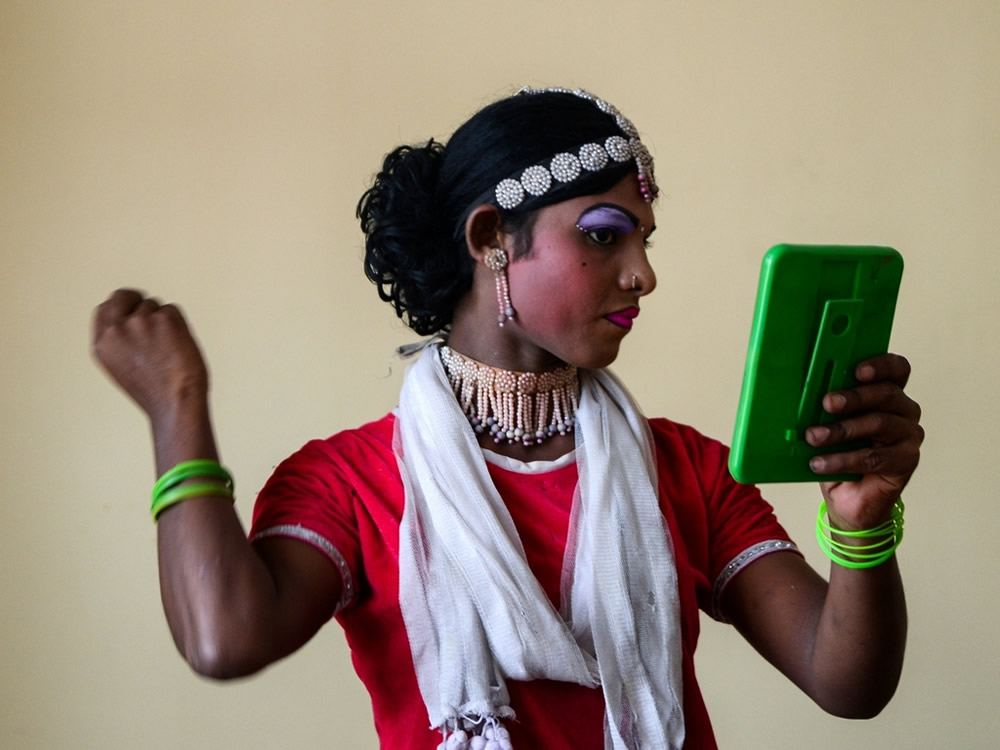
<point>842,642</point>
<point>232,607</point>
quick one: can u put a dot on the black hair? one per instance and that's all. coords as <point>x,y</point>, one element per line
<point>414,214</point>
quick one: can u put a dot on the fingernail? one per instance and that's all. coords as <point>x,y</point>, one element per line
<point>820,433</point>
<point>817,463</point>
<point>866,372</point>
<point>838,401</point>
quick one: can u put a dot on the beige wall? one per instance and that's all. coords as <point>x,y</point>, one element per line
<point>213,154</point>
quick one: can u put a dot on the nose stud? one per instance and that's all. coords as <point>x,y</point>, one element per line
<point>633,281</point>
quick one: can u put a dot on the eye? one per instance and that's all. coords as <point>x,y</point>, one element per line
<point>601,235</point>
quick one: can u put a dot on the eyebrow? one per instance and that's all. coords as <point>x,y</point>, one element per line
<point>628,214</point>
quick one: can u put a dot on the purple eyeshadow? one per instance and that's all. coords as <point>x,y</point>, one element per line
<point>606,217</point>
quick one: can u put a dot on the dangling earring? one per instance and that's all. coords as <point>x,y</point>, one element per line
<point>496,261</point>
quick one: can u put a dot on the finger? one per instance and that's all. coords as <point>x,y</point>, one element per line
<point>899,459</point>
<point>120,304</point>
<point>891,367</point>
<point>173,311</point>
<point>171,316</point>
<point>879,426</point>
<point>881,396</point>
<point>147,307</point>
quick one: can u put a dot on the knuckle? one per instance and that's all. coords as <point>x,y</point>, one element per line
<point>872,459</point>
<point>853,400</point>
<point>839,431</point>
<point>868,426</point>
<point>882,422</point>
<point>833,463</point>
<point>171,311</point>
<point>890,390</point>
<point>105,341</point>
<point>883,393</point>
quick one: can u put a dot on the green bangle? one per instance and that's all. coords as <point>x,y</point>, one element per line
<point>856,560</point>
<point>199,467</point>
<point>861,557</point>
<point>173,496</point>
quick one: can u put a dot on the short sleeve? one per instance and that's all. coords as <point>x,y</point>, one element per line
<point>725,525</point>
<point>742,529</point>
<point>306,498</point>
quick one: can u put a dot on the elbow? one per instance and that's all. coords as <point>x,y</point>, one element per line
<point>858,713</point>
<point>219,654</point>
<point>859,704</point>
<point>220,664</point>
<point>215,664</point>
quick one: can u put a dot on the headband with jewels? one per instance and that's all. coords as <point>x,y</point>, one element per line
<point>590,157</point>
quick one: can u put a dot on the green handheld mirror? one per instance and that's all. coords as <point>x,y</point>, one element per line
<point>820,311</point>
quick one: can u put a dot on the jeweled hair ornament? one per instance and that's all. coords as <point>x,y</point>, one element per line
<point>565,167</point>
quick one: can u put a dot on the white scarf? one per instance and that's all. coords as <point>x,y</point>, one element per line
<point>474,613</point>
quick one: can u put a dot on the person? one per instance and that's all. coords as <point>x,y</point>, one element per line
<point>517,555</point>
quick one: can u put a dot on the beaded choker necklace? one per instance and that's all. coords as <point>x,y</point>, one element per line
<point>513,407</point>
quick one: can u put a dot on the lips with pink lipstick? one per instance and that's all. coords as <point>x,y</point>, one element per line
<point>624,317</point>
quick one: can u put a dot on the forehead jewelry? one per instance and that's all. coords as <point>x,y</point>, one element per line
<point>565,167</point>
<point>513,407</point>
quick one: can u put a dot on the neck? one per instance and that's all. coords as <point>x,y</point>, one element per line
<point>474,332</point>
<point>526,408</point>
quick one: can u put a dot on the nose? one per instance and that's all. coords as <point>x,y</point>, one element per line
<point>638,275</point>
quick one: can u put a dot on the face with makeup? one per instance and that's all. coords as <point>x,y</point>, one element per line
<point>577,292</point>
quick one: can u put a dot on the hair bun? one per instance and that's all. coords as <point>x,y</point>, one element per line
<point>407,251</point>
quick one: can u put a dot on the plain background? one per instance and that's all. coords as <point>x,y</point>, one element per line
<point>213,153</point>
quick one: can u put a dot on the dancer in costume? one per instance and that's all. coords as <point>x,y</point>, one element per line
<point>517,554</point>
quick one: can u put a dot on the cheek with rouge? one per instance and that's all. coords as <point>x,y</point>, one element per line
<point>550,288</point>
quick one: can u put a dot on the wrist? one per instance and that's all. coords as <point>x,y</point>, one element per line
<point>838,523</point>
<point>858,515</point>
<point>184,403</point>
<point>860,548</point>
<point>182,431</point>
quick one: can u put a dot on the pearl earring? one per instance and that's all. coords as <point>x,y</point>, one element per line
<point>496,261</point>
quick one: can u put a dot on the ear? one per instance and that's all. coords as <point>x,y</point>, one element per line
<point>483,231</point>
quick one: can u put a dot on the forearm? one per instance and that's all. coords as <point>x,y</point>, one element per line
<point>860,638</point>
<point>218,595</point>
<point>840,641</point>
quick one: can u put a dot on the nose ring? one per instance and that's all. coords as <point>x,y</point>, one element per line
<point>633,281</point>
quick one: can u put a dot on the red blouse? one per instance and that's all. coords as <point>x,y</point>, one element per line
<point>344,496</point>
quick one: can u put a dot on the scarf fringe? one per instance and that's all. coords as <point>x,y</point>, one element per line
<point>479,733</point>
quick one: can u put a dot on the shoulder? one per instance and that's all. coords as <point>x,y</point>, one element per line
<point>693,469</point>
<point>366,441</point>
<point>345,459</point>
<point>377,433</point>
<point>669,429</point>
<point>676,439</point>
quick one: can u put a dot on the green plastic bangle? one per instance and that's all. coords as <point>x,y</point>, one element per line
<point>857,560</point>
<point>199,467</point>
<point>887,538</point>
<point>173,496</point>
